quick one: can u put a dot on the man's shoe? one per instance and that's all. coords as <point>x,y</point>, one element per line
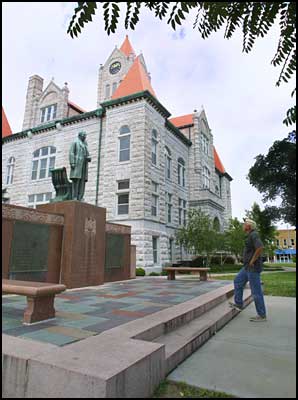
<point>233,305</point>
<point>258,318</point>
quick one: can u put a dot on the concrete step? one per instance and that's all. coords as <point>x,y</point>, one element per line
<point>183,341</point>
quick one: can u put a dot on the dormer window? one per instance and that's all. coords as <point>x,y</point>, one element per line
<point>48,113</point>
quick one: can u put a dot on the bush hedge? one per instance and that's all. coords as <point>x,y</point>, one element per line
<point>140,271</point>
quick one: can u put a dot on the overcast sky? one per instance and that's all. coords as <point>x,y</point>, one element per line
<point>243,106</point>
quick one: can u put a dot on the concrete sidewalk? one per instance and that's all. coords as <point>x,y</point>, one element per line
<point>246,359</point>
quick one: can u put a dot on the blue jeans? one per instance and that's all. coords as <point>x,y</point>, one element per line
<point>254,279</point>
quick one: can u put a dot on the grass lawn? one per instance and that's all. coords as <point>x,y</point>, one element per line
<point>275,284</point>
<point>169,389</point>
<point>292,265</point>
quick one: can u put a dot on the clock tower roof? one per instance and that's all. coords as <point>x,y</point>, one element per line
<point>136,80</point>
<point>126,47</point>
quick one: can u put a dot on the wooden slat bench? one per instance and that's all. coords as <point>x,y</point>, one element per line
<point>172,270</point>
<point>40,298</point>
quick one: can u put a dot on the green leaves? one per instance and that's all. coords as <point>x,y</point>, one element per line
<point>82,14</point>
<point>111,16</point>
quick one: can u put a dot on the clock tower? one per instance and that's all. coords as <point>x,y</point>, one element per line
<point>114,70</point>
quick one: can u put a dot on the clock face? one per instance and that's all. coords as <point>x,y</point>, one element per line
<point>115,67</point>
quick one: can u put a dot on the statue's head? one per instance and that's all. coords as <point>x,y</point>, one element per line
<point>82,135</point>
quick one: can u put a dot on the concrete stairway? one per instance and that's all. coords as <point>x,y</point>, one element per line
<point>183,339</point>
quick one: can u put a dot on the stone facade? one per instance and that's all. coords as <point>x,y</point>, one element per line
<point>148,185</point>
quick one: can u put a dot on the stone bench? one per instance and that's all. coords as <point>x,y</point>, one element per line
<point>172,270</point>
<point>40,298</point>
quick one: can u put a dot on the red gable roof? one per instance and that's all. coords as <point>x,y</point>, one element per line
<point>218,163</point>
<point>126,47</point>
<point>136,80</point>
<point>6,130</point>
<point>183,120</point>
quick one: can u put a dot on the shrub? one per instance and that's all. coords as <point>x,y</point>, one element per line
<point>229,260</point>
<point>154,274</point>
<point>140,271</point>
<point>294,259</point>
<point>216,260</point>
<point>198,261</point>
<point>163,273</point>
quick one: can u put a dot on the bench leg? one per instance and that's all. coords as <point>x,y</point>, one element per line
<point>203,275</point>
<point>39,309</point>
<point>171,275</point>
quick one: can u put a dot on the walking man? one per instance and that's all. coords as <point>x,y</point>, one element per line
<point>251,272</point>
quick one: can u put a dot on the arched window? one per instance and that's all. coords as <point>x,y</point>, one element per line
<point>107,93</point>
<point>10,170</point>
<point>154,144</point>
<point>43,161</point>
<point>168,162</point>
<point>114,87</point>
<point>216,224</point>
<point>206,178</point>
<point>181,172</point>
<point>124,143</point>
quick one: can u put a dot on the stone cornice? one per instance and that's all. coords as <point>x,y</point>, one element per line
<point>135,97</point>
<point>204,202</point>
<point>53,125</point>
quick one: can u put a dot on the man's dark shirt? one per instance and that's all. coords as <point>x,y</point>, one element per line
<point>252,242</point>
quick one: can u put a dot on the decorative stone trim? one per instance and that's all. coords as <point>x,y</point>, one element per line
<point>30,215</point>
<point>117,228</point>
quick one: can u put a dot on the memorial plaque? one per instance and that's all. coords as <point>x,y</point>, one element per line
<point>29,252</point>
<point>115,247</point>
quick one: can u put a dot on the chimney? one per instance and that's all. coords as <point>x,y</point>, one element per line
<point>34,91</point>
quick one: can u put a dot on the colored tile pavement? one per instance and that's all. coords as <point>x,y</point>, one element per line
<point>85,312</point>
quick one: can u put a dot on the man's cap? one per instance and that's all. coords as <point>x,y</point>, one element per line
<point>250,222</point>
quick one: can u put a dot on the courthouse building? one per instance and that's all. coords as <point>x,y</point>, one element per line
<point>147,167</point>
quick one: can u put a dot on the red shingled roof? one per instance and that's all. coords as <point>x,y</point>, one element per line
<point>6,129</point>
<point>136,80</point>
<point>183,120</point>
<point>126,47</point>
<point>218,163</point>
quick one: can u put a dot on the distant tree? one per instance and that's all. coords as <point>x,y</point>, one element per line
<point>275,175</point>
<point>199,236</point>
<point>254,18</point>
<point>265,227</point>
<point>235,238</point>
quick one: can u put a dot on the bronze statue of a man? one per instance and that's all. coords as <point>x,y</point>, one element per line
<point>78,158</point>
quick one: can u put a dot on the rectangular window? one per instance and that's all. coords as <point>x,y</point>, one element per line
<point>155,198</point>
<point>171,242</point>
<point>39,198</point>
<point>285,242</point>
<point>124,148</point>
<point>169,207</point>
<point>123,198</point>
<point>182,212</point>
<point>114,87</point>
<point>122,185</point>
<point>43,168</point>
<point>107,91</point>
<point>155,249</point>
<point>292,242</point>
<point>123,203</point>
<point>277,242</point>
<point>34,170</point>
